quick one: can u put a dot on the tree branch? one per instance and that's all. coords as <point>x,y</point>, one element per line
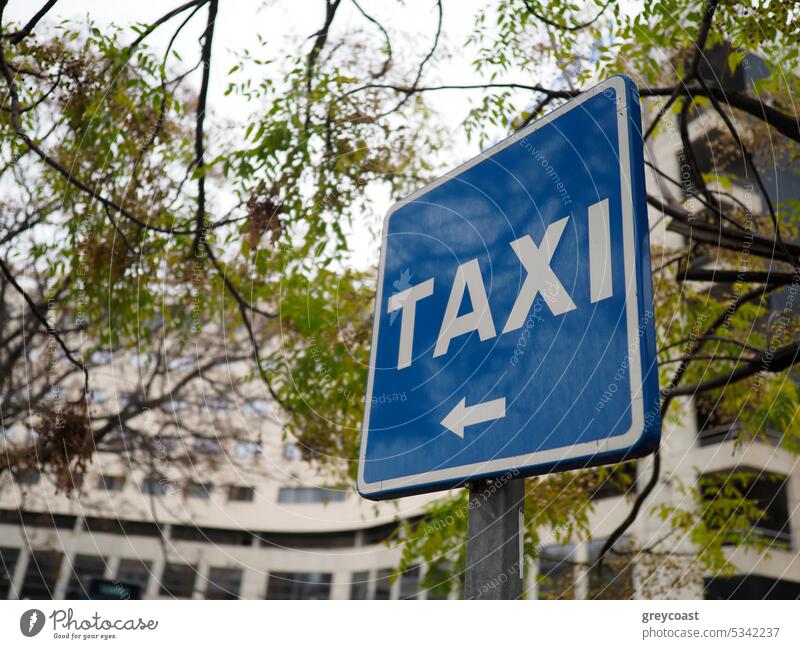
<point>769,361</point>
<point>199,146</point>
<point>54,164</point>
<point>46,325</point>
<point>387,41</point>
<point>734,305</point>
<point>687,224</point>
<point>749,162</point>
<point>16,37</point>
<point>734,276</point>
<point>320,38</point>
<point>570,28</point>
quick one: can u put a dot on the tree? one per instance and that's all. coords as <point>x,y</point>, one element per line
<point>138,228</point>
<point>125,229</point>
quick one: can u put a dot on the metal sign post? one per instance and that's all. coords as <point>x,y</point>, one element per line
<point>495,565</point>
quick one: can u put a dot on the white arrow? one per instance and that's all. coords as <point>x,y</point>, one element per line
<point>461,415</point>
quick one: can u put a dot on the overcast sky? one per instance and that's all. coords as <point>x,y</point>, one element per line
<point>281,23</point>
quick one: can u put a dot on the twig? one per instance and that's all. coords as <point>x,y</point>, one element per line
<point>388,42</point>
<point>45,324</point>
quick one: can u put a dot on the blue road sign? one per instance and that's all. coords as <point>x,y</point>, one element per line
<point>513,327</point>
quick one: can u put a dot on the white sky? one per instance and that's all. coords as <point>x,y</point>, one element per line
<point>281,23</point>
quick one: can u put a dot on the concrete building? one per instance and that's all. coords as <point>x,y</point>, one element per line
<point>238,533</point>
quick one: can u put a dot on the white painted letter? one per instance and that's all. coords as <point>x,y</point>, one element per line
<point>468,276</point>
<point>541,278</point>
<point>407,301</point>
<point>600,252</point>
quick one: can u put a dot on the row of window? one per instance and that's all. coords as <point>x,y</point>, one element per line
<point>204,490</point>
<point>557,580</point>
<point>201,490</point>
<point>620,481</point>
<point>613,579</point>
<point>767,491</point>
<point>182,581</point>
<point>715,425</point>
<point>177,580</point>
<point>215,535</point>
<point>120,441</point>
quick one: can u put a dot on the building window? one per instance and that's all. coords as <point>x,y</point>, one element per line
<point>440,579</point>
<point>380,534</point>
<point>291,451</point>
<point>359,585</point>
<point>299,585</point>
<point>44,567</point>
<point>85,567</point>
<point>121,527</point>
<point>199,490</point>
<point>217,404</point>
<point>730,496</point>
<point>27,477</point>
<point>257,408</point>
<point>383,584</point>
<point>409,583</point>
<point>306,495</point>
<point>111,482</point>
<point>134,572</point>
<point>613,579</point>
<point>241,494</point>
<point>178,580</point>
<point>205,446</point>
<point>8,562</point>
<point>154,487</point>
<point>164,444</point>
<point>751,587</point>
<point>308,540</point>
<point>37,519</point>
<point>224,583</point>
<point>215,535</point>
<point>713,425</point>
<point>119,440</point>
<point>618,480</point>
<point>247,450</point>
<point>556,572</point>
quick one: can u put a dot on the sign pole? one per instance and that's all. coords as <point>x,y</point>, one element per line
<point>494,539</point>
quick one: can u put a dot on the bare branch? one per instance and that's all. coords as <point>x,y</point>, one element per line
<point>387,41</point>
<point>750,163</point>
<point>45,324</point>
<point>570,28</point>
<point>736,303</point>
<point>768,362</point>
<point>686,223</point>
<point>733,276</point>
<point>320,38</point>
<point>199,145</point>
<point>16,37</point>
<point>165,18</point>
